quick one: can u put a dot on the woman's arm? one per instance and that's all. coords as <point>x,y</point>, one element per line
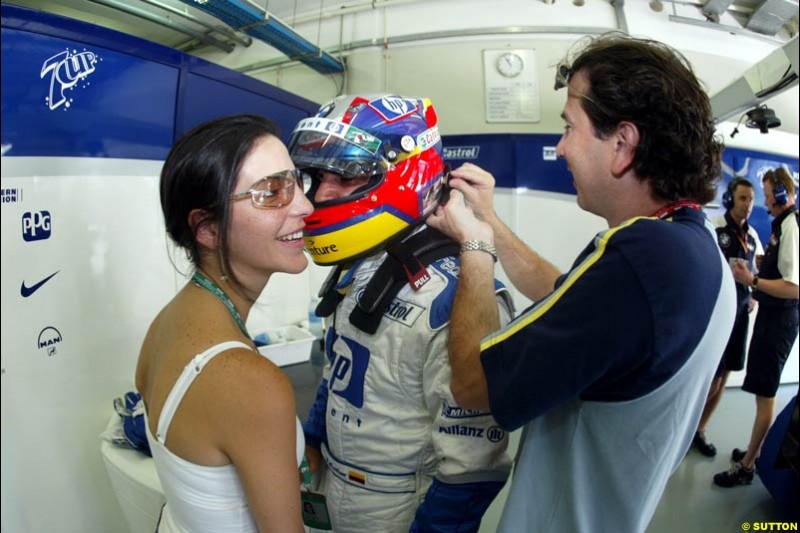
<point>258,426</point>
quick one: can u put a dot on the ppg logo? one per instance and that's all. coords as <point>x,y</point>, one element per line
<point>36,226</point>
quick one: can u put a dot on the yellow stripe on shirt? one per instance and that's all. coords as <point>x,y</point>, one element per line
<point>534,314</point>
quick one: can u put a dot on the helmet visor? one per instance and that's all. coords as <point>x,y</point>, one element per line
<point>336,147</point>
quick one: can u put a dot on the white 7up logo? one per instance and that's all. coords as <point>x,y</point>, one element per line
<point>65,71</point>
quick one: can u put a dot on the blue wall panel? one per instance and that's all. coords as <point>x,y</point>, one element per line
<point>538,167</point>
<point>514,160</point>
<point>114,95</point>
<point>205,98</point>
<point>528,161</point>
<point>63,98</point>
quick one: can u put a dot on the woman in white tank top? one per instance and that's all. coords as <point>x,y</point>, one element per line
<point>220,417</point>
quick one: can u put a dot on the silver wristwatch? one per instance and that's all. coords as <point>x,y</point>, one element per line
<point>482,246</point>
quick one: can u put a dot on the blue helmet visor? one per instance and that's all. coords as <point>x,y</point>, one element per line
<point>336,147</point>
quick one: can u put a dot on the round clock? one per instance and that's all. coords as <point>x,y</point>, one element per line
<point>509,64</point>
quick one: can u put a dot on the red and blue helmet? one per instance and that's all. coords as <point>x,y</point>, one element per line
<point>392,140</point>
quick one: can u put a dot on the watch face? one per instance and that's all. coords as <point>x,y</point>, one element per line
<point>509,64</point>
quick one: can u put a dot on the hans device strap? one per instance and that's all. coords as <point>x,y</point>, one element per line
<point>329,296</point>
<point>406,263</point>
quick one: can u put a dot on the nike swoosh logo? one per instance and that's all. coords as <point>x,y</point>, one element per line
<point>27,291</point>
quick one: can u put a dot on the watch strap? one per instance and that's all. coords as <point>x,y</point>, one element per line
<point>482,246</point>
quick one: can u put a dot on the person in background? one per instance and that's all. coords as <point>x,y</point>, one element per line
<point>775,330</point>
<point>220,417</point>
<point>738,242</point>
<point>397,452</point>
<point>609,369</point>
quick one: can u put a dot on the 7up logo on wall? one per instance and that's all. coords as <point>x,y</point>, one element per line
<point>66,69</point>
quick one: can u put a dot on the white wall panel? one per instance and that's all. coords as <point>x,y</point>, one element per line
<point>107,245</point>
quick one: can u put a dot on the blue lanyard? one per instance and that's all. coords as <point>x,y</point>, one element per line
<point>201,280</point>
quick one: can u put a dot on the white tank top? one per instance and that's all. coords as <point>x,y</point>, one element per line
<point>200,498</point>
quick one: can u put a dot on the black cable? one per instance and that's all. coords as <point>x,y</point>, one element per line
<point>736,129</point>
<point>780,84</point>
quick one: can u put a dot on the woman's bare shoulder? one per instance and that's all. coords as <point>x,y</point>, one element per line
<point>250,380</point>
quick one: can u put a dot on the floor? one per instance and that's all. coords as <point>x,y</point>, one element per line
<point>691,502</point>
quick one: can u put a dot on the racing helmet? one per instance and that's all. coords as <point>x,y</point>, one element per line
<point>391,140</point>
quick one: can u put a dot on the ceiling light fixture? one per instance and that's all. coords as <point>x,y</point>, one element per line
<point>762,118</point>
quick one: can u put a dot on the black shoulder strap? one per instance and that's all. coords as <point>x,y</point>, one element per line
<point>406,263</point>
<point>329,296</point>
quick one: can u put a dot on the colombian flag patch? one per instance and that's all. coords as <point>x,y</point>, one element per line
<point>358,477</point>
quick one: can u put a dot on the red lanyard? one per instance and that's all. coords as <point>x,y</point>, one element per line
<point>745,248</point>
<point>667,210</point>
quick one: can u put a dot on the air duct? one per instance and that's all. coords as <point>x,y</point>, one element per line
<point>771,15</point>
<point>246,17</point>
<point>171,24</point>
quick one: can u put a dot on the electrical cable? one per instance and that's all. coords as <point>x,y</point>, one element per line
<point>783,82</point>
<point>736,129</point>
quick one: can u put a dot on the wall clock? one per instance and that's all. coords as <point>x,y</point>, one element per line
<point>510,64</point>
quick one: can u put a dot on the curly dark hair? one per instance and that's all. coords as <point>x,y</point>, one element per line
<point>200,173</point>
<point>653,86</point>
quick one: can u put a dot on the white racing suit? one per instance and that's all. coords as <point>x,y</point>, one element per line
<point>399,454</point>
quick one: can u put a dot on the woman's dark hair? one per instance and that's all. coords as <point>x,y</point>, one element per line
<point>653,86</point>
<point>200,173</point>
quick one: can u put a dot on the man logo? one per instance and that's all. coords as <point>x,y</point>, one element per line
<point>49,337</point>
